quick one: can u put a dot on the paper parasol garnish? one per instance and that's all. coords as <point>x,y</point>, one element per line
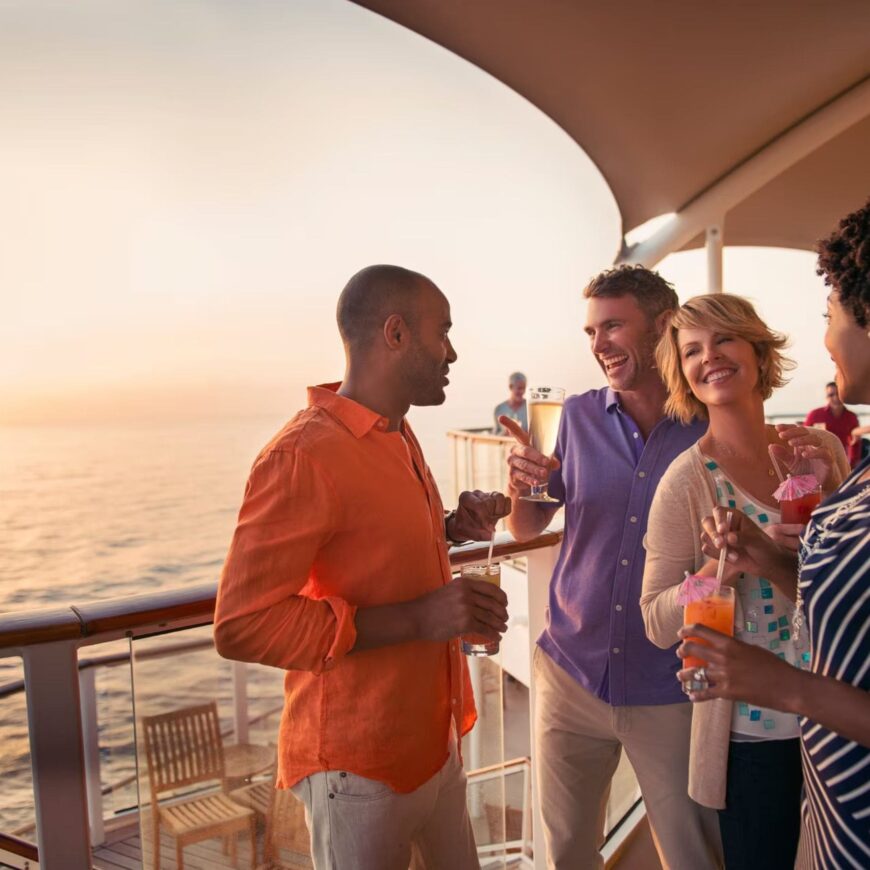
<point>695,588</point>
<point>795,487</point>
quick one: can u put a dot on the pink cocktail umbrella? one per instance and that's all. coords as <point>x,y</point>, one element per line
<point>696,587</point>
<point>796,486</point>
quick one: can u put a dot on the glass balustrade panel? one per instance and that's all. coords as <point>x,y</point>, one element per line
<point>16,797</point>
<point>177,678</point>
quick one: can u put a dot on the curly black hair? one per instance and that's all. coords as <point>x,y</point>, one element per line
<point>844,263</point>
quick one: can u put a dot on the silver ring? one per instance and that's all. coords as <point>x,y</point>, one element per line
<point>697,682</point>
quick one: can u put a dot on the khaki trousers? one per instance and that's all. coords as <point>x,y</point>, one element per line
<point>578,741</point>
<point>361,824</point>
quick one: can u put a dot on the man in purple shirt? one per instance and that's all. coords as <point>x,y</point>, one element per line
<point>600,685</point>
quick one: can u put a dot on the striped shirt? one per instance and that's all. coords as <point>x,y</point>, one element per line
<point>835,588</point>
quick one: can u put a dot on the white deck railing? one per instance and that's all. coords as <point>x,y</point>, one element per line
<point>61,694</point>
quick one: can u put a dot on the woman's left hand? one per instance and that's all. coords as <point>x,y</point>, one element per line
<point>736,670</point>
<point>805,443</point>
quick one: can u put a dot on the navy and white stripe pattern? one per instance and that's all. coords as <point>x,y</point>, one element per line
<point>835,588</point>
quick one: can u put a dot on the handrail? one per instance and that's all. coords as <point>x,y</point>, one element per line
<point>13,687</point>
<point>21,848</point>
<point>194,604</point>
<point>483,436</point>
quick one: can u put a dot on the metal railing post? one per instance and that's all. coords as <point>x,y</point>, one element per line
<point>541,564</point>
<point>714,246</point>
<point>91,738</point>
<point>240,701</point>
<point>57,755</point>
<point>475,738</point>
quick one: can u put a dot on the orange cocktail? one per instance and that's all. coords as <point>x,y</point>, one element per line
<point>716,611</point>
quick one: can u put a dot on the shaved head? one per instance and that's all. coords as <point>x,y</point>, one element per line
<point>372,295</point>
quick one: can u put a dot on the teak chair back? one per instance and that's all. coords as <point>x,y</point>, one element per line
<point>183,747</point>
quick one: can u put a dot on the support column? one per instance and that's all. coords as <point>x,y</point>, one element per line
<point>57,756</point>
<point>475,736</point>
<point>541,564</point>
<point>240,701</point>
<point>91,738</point>
<point>714,257</point>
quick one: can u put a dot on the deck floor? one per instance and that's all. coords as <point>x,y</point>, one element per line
<point>126,854</point>
<point>124,851</point>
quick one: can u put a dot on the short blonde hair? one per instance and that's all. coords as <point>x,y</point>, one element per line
<point>729,315</point>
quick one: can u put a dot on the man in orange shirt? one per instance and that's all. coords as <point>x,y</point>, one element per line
<point>338,573</point>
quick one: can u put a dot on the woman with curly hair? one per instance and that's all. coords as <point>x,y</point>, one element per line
<point>833,602</point>
<point>720,360</point>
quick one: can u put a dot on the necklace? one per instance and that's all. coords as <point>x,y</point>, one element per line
<point>716,451</point>
<point>813,542</point>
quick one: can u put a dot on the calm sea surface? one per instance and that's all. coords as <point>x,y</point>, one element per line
<point>89,512</point>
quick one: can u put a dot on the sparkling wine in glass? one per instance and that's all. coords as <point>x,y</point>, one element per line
<point>545,411</point>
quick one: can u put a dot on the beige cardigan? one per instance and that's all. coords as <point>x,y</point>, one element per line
<point>684,497</point>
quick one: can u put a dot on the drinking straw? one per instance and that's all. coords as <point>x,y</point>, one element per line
<point>720,569</point>
<point>491,544</point>
<point>776,467</point>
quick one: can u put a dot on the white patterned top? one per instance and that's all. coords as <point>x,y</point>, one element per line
<point>767,622</point>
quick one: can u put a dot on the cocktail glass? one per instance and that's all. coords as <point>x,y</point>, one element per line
<point>545,412</point>
<point>473,644</point>
<point>716,611</point>
<point>798,510</point>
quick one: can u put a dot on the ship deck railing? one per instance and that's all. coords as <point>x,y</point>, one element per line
<point>60,652</point>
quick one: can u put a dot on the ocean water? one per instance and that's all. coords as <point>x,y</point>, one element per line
<point>96,512</point>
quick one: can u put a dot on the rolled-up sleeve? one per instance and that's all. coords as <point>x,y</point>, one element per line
<point>670,552</point>
<point>289,513</point>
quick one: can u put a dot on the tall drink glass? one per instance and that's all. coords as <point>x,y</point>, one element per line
<point>716,611</point>
<point>473,644</point>
<point>545,411</point>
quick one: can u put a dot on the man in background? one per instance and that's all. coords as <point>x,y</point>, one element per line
<point>837,418</point>
<point>514,406</point>
<point>338,573</point>
<point>600,686</point>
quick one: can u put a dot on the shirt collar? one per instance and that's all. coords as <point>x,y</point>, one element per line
<point>357,418</point>
<point>611,401</point>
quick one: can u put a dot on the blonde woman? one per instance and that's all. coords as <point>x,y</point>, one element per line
<point>720,361</point>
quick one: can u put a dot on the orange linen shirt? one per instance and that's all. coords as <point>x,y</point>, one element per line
<point>339,514</point>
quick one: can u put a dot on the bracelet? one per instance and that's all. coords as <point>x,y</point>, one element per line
<point>451,515</point>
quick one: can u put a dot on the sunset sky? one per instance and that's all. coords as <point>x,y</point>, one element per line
<point>187,187</point>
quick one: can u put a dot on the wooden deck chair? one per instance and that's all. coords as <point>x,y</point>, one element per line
<point>287,843</point>
<point>184,749</point>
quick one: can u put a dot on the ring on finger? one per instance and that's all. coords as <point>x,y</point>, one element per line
<point>697,682</point>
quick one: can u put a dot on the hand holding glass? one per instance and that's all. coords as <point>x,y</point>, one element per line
<point>475,645</point>
<point>545,412</point>
<point>716,611</point>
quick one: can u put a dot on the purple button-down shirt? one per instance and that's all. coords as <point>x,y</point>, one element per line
<point>607,481</point>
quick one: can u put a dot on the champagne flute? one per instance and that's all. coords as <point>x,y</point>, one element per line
<point>545,411</point>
